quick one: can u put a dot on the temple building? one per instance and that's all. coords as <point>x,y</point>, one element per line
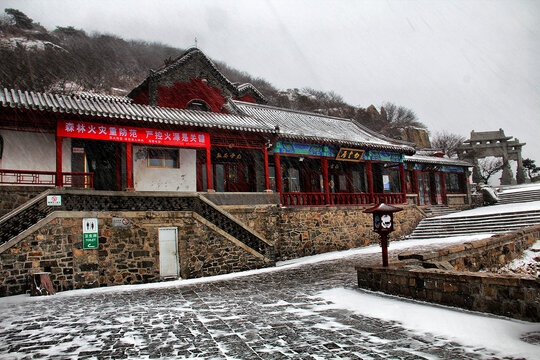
<point>187,123</point>
<point>189,145</point>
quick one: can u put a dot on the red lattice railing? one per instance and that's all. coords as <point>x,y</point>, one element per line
<point>337,199</point>
<point>30,177</point>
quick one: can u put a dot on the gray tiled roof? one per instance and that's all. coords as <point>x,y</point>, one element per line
<point>115,109</point>
<point>306,126</point>
<point>436,160</point>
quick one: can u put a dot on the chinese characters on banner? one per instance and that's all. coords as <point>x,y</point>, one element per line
<point>85,130</point>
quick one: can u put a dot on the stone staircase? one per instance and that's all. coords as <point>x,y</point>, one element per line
<point>439,210</point>
<point>448,226</point>
<point>518,195</point>
<point>33,212</point>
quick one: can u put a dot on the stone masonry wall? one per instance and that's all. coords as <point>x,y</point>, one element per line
<point>298,232</point>
<point>509,295</point>
<point>11,197</point>
<point>125,255</point>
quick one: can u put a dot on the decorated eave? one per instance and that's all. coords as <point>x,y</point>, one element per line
<point>124,109</point>
<point>311,127</point>
<point>422,159</point>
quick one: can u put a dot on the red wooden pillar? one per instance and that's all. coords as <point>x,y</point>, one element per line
<point>443,188</point>
<point>403,182</point>
<point>118,167</point>
<point>278,172</point>
<point>324,166</point>
<point>369,173</point>
<point>209,180</point>
<point>129,167</point>
<point>266,172</point>
<point>59,181</point>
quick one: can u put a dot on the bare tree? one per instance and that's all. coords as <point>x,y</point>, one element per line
<point>447,142</point>
<point>489,166</point>
<point>397,118</point>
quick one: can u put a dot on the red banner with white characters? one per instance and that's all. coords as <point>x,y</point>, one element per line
<point>86,130</point>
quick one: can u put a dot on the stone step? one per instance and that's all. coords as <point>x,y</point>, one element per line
<point>484,229</point>
<point>507,215</point>
<point>524,218</point>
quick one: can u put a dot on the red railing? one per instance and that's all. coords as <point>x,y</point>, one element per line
<point>30,177</point>
<point>392,198</point>
<point>338,199</point>
<point>349,199</point>
<point>303,199</point>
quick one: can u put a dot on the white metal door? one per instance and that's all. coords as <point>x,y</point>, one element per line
<point>168,252</point>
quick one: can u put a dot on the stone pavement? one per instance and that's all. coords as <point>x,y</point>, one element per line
<point>274,315</point>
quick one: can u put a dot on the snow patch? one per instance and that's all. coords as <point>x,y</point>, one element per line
<point>471,329</point>
<point>494,209</point>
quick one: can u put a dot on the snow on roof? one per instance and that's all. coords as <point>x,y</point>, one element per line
<point>436,160</point>
<point>115,109</point>
<point>307,126</point>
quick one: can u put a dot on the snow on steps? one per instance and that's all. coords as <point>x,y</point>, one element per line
<point>494,219</point>
<point>518,197</point>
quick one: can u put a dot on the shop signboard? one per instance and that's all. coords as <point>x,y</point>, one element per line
<point>95,131</point>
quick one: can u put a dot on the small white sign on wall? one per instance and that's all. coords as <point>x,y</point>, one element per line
<point>54,200</point>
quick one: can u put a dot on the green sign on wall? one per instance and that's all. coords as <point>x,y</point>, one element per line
<point>90,233</point>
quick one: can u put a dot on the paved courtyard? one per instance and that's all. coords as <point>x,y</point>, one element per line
<point>272,315</point>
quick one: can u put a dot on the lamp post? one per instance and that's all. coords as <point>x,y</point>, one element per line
<point>383,224</point>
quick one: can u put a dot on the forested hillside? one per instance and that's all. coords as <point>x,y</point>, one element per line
<point>67,59</point>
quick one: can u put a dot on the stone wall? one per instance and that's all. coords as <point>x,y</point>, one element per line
<point>298,232</point>
<point>11,197</point>
<point>509,295</point>
<point>125,255</point>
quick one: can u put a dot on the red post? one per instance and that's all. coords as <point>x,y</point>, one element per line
<point>59,178</point>
<point>208,169</point>
<point>403,182</point>
<point>129,166</point>
<point>278,172</point>
<point>118,167</point>
<point>443,188</point>
<point>324,166</point>
<point>384,246</point>
<point>266,172</point>
<point>370,181</point>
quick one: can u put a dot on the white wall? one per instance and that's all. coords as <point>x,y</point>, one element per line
<point>33,151</point>
<point>161,179</point>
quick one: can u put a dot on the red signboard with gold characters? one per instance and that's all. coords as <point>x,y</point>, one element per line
<point>86,130</point>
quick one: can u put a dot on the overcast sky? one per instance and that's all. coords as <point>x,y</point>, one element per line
<point>460,65</point>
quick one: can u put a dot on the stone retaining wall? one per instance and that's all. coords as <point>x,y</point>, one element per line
<point>509,295</point>
<point>298,232</point>
<point>125,255</point>
<point>11,197</point>
<point>131,255</point>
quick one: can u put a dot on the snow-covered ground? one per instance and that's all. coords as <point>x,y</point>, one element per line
<point>467,328</point>
<point>470,329</point>
<point>494,209</point>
